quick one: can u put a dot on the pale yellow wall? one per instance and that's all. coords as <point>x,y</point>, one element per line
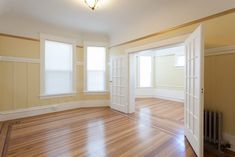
<point>19,48</point>
<point>219,70</point>
<point>20,82</point>
<point>167,75</point>
<point>220,88</point>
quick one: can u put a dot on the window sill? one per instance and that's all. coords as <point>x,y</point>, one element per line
<point>144,87</point>
<point>95,92</point>
<point>179,67</point>
<point>49,96</point>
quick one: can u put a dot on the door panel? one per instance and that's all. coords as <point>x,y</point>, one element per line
<point>194,85</point>
<point>118,84</point>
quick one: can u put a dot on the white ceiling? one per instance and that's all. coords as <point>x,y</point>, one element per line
<point>120,20</point>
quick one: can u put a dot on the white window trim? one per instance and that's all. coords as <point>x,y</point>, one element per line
<point>43,38</point>
<point>152,74</point>
<point>95,44</point>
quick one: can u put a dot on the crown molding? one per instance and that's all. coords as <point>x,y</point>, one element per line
<point>220,50</point>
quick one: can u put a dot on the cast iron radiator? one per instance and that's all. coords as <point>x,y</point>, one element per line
<point>213,128</point>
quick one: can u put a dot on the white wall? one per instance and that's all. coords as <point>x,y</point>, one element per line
<point>168,80</point>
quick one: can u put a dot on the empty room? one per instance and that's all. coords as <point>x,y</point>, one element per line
<point>159,93</point>
<point>114,78</point>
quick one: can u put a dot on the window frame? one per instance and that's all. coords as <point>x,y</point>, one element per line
<point>152,72</point>
<point>43,38</point>
<point>95,44</point>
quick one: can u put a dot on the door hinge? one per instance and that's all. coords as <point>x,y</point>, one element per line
<point>202,90</point>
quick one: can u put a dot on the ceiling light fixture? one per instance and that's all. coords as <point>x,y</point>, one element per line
<point>92,3</point>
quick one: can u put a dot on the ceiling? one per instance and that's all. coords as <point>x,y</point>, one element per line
<point>117,20</point>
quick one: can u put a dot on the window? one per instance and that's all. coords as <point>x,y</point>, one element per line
<point>179,60</point>
<point>58,68</point>
<point>145,71</point>
<point>96,69</point>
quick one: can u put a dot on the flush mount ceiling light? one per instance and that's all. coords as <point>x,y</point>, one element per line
<point>91,3</point>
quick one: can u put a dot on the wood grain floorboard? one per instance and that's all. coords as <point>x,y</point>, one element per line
<point>103,132</point>
<point>4,137</point>
<point>164,114</point>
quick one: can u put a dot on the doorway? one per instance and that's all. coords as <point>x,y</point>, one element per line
<point>123,83</point>
<point>159,87</point>
<point>194,83</point>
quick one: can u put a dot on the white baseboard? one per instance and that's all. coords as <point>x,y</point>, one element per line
<point>170,94</point>
<point>145,96</point>
<point>169,98</point>
<point>161,93</point>
<point>34,111</point>
<point>230,139</point>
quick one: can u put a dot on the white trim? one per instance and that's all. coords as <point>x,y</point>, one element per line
<point>95,92</point>
<point>220,50</point>
<point>43,38</point>
<point>169,98</point>
<point>33,111</point>
<point>131,82</point>
<point>19,59</point>
<point>49,96</point>
<point>27,60</point>
<point>230,139</point>
<point>170,87</point>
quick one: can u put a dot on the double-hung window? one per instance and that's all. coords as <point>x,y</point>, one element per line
<point>95,69</point>
<point>145,73</point>
<point>57,67</point>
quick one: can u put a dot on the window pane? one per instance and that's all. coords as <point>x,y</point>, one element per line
<point>96,58</point>
<point>58,67</point>
<point>145,71</point>
<point>96,64</point>
<point>58,56</point>
<point>58,82</point>
<point>96,81</point>
<point>179,61</point>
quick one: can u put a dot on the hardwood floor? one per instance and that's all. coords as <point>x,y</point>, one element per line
<point>97,132</point>
<point>163,114</point>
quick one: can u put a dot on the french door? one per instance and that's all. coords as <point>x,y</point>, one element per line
<point>194,86</point>
<point>118,83</point>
